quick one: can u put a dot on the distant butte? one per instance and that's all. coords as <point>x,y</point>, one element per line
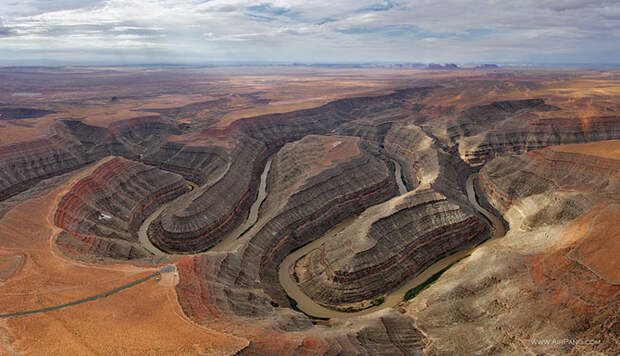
<point>486,66</point>
<point>447,66</point>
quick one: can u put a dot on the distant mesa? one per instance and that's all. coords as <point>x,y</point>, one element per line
<point>487,66</point>
<point>22,113</point>
<point>449,66</point>
<point>114,99</point>
<point>363,65</point>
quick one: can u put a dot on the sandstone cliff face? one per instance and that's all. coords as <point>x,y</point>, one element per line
<point>506,180</point>
<point>197,223</point>
<point>74,144</point>
<point>537,133</point>
<point>483,132</point>
<point>25,164</point>
<point>328,165</point>
<point>101,214</point>
<point>294,125</point>
<point>310,191</point>
<point>196,163</point>
<point>416,152</point>
<point>548,285</point>
<point>379,251</point>
<point>478,119</point>
<point>319,201</point>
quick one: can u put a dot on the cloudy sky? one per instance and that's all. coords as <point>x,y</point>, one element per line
<point>192,31</point>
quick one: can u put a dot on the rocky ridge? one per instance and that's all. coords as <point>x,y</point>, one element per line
<point>236,289</point>
<point>101,213</point>
<point>552,276</point>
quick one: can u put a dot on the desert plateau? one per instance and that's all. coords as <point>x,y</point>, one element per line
<point>396,212</point>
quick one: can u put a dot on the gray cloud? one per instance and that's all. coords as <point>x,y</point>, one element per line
<point>193,31</point>
<point>568,5</point>
<point>4,31</point>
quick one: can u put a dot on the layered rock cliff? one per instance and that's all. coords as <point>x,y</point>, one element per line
<point>25,164</point>
<point>198,222</point>
<point>101,213</point>
<point>319,200</point>
<point>314,184</point>
<point>381,249</point>
<point>525,135</point>
<point>552,287</point>
<point>73,144</point>
<point>335,166</point>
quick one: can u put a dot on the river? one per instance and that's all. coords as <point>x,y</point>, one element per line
<point>305,303</point>
<point>231,239</point>
<point>394,297</point>
<point>143,237</point>
<point>402,187</point>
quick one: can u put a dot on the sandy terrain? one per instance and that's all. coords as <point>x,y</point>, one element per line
<point>598,250</point>
<point>100,96</point>
<point>605,149</point>
<point>145,319</point>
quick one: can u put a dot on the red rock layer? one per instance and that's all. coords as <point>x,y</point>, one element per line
<point>424,228</point>
<point>107,208</point>
<point>24,164</point>
<point>548,286</point>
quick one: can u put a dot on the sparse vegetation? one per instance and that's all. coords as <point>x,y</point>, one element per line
<point>375,302</point>
<point>293,303</point>
<point>378,301</point>
<point>413,292</point>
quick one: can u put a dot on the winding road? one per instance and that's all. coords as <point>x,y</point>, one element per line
<point>165,269</point>
<point>394,297</point>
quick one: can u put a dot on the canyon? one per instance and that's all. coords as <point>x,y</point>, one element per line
<point>400,212</point>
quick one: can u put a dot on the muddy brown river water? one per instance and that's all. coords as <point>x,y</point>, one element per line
<point>394,297</point>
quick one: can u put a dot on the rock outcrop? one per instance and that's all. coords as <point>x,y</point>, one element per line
<point>101,213</point>
<point>23,165</point>
<point>517,126</point>
<point>319,200</point>
<point>198,225</point>
<point>552,287</point>
<point>74,144</point>
<point>478,119</point>
<point>506,180</point>
<point>537,133</point>
<point>381,249</point>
